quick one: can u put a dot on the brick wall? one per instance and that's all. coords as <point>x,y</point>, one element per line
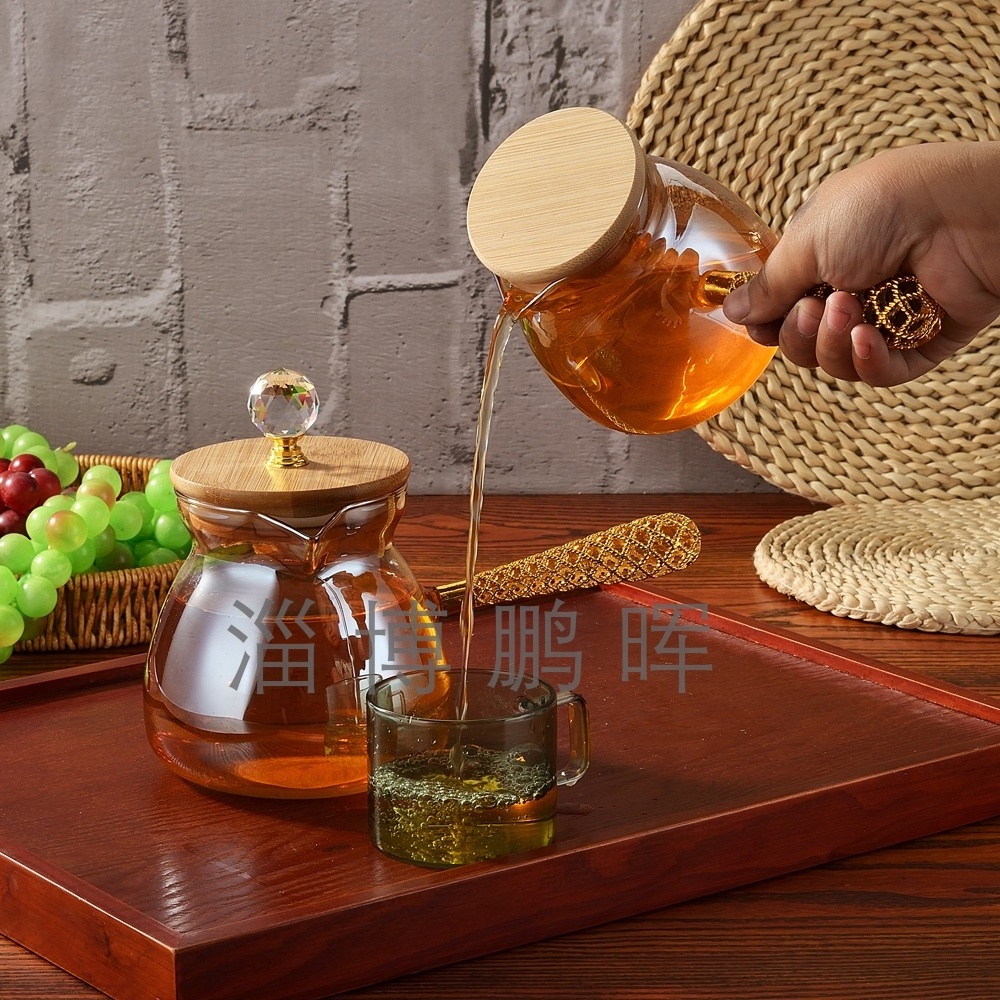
<point>194,192</point>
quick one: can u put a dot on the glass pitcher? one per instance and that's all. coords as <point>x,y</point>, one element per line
<point>615,265</point>
<point>292,601</point>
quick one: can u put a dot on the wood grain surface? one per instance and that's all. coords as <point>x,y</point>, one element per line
<point>556,196</point>
<point>340,471</point>
<point>915,921</point>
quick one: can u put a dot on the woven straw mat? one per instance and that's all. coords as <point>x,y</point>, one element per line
<point>770,96</point>
<point>931,565</point>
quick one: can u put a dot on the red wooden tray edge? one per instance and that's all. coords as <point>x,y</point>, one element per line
<point>920,686</point>
<point>299,950</point>
<point>54,683</point>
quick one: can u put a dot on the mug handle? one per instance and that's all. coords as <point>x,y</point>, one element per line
<point>579,737</point>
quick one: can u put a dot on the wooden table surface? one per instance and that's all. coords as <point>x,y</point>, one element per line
<point>921,920</point>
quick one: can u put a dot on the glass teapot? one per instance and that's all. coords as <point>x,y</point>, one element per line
<point>615,265</point>
<point>292,601</point>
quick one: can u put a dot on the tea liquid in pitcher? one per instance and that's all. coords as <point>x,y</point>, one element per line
<point>606,259</point>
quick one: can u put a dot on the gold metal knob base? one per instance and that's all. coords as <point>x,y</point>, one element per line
<point>286,453</point>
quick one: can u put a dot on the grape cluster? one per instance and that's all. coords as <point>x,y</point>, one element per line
<point>51,530</point>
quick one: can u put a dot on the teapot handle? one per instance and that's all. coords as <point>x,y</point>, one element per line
<point>898,308</point>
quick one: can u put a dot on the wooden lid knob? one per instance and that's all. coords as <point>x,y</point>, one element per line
<point>341,471</point>
<point>556,195</point>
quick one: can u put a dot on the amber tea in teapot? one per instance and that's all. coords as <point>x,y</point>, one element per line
<point>606,259</point>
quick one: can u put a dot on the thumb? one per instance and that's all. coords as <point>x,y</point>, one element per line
<point>789,272</point>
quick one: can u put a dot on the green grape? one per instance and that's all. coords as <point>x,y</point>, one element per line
<point>104,543</point>
<point>82,559</point>
<point>138,500</point>
<point>61,501</point>
<point>54,566</point>
<point>36,596</point>
<point>65,531</point>
<point>8,586</point>
<point>94,511</point>
<point>36,521</point>
<point>33,628</point>
<point>9,435</point>
<point>106,472</point>
<point>120,557</point>
<point>67,468</point>
<point>16,553</point>
<point>5,653</point>
<point>162,466</point>
<point>142,548</point>
<point>46,454</point>
<point>160,493</point>
<point>28,440</point>
<point>126,519</point>
<point>158,557</point>
<point>99,488</point>
<point>38,546</point>
<point>170,530</point>
<point>11,625</point>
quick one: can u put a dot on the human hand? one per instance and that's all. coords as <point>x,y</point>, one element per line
<point>930,210</point>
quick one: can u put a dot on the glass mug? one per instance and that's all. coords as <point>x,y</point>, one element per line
<point>448,789</point>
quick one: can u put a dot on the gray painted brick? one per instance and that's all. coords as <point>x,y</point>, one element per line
<point>407,202</point>
<point>11,19</point>
<point>399,389</point>
<point>272,53</point>
<point>96,190</point>
<point>128,413</point>
<point>257,250</point>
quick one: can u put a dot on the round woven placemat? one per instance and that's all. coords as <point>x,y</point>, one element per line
<point>768,97</point>
<point>931,565</point>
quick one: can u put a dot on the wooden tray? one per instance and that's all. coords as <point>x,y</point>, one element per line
<point>780,756</point>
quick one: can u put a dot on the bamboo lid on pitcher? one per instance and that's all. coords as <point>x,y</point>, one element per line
<point>340,471</point>
<point>278,476</point>
<point>556,195</point>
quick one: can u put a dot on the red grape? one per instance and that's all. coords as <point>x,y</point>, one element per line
<point>48,483</point>
<point>25,463</point>
<point>11,523</point>
<point>4,462</point>
<point>20,492</point>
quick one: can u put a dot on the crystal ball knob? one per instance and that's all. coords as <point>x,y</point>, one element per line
<point>283,405</point>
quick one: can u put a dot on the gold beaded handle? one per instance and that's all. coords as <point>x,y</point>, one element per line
<point>898,308</point>
<point>649,546</point>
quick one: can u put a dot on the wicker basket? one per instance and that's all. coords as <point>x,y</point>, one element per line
<point>105,610</point>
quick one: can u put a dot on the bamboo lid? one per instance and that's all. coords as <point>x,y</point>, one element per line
<point>340,471</point>
<point>556,195</point>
